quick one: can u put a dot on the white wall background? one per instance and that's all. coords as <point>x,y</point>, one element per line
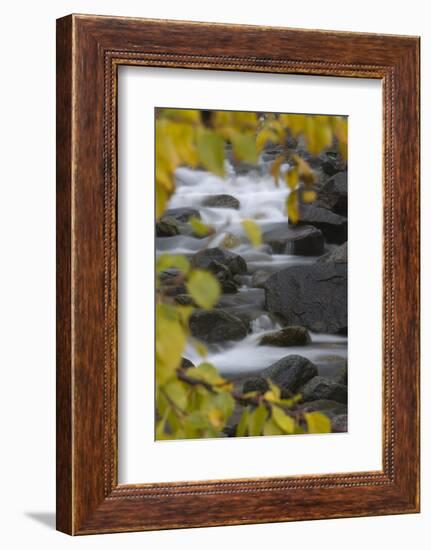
<point>27,252</point>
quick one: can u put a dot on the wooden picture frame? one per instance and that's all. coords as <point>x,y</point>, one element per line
<point>89,51</point>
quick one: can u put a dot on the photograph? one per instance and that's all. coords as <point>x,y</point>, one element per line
<point>251,247</point>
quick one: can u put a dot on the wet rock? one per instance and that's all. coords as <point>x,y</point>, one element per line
<point>287,336</point>
<point>338,254</point>
<point>342,376</point>
<point>323,388</point>
<point>171,282</point>
<point>257,383</point>
<point>313,296</point>
<point>332,162</point>
<point>293,239</point>
<point>186,363</point>
<point>206,258</point>
<point>217,325</point>
<point>181,214</point>
<point>333,194</point>
<point>184,300</point>
<point>167,227</point>
<point>328,406</point>
<point>290,373</point>
<point>333,226</point>
<point>259,278</point>
<point>222,201</point>
<point>339,423</point>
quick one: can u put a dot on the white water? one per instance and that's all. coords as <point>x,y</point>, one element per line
<point>264,202</point>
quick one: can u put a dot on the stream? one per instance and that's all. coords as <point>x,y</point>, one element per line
<point>261,200</point>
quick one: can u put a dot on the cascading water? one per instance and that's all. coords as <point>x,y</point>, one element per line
<point>263,201</point>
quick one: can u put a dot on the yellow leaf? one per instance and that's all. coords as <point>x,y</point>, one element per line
<point>170,343</point>
<point>283,421</point>
<point>265,135</point>
<point>204,288</point>
<point>292,207</point>
<point>309,195</point>
<point>210,147</point>
<point>275,167</point>
<point>292,178</point>
<point>168,261</point>
<point>253,232</point>
<point>200,228</point>
<point>244,147</point>
<point>318,423</point>
<point>305,171</point>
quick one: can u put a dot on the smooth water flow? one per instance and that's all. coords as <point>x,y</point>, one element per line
<point>262,201</point>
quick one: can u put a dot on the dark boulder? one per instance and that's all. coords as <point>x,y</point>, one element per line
<point>290,373</point>
<point>333,194</point>
<point>328,406</point>
<point>171,282</point>
<point>333,226</point>
<point>313,296</point>
<point>205,260</point>
<point>222,201</point>
<point>186,363</point>
<point>167,227</point>
<point>217,326</point>
<point>332,163</point>
<point>323,388</point>
<point>287,336</point>
<point>292,239</point>
<point>184,300</point>
<point>181,214</point>
<point>257,384</point>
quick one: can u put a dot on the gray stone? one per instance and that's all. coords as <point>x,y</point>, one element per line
<point>339,254</point>
<point>339,423</point>
<point>222,201</point>
<point>333,226</point>
<point>293,239</point>
<point>290,373</point>
<point>333,194</point>
<point>323,388</point>
<point>259,278</point>
<point>314,296</point>
<point>181,214</point>
<point>287,336</point>
<point>205,258</point>
<point>216,326</point>
<point>167,227</point>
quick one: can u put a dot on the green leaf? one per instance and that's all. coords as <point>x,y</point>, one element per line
<point>256,420</point>
<point>283,421</point>
<point>241,429</point>
<point>207,373</point>
<point>253,232</point>
<point>176,392</point>
<point>271,428</point>
<point>244,147</point>
<point>292,207</point>
<point>168,261</point>
<point>170,343</point>
<point>204,288</point>
<point>211,151</point>
<point>318,423</point>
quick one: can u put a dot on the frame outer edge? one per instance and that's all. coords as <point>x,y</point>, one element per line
<point>64,300</point>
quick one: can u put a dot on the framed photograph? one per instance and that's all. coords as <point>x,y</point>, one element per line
<point>237,274</point>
